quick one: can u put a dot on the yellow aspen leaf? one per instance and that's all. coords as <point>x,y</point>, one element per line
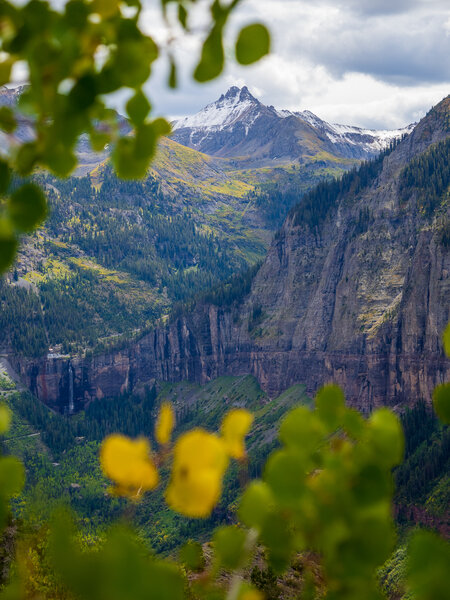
<point>235,426</point>
<point>165,423</point>
<point>199,463</point>
<point>128,463</point>
<point>251,595</point>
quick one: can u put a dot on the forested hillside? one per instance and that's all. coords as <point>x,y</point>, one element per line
<point>354,288</point>
<point>115,256</point>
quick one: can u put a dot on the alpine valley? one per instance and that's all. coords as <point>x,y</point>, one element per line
<point>114,257</point>
<point>354,287</point>
<point>267,253</point>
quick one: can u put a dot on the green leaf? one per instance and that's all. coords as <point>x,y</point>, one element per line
<point>164,582</point>
<point>98,140</point>
<point>27,207</point>
<point>7,120</point>
<point>147,136</point>
<point>285,473</point>
<point>37,15</point>
<point>119,569</point>
<point>5,418</point>
<point>277,536</point>
<point>161,127</point>
<point>229,545</point>
<point>5,70</point>
<point>256,504</point>
<point>109,79</point>
<point>302,430</point>
<point>83,93</point>
<point>5,176</point>
<point>428,566</point>
<point>182,16</point>
<point>212,57</point>
<point>8,245</point>
<point>441,402</point>
<point>173,74</point>
<point>132,63</point>
<point>26,158</point>
<point>138,108</point>
<point>105,8</point>
<point>12,476</point>
<point>353,423</point>
<point>26,102</point>
<point>191,556</point>
<point>60,159</point>
<point>145,141</point>
<point>252,44</point>
<point>446,340</point>
<point>127,162</point>
<point>371,485</point>
<point>367,547</point>
<point>330,404</point>
<point>77,13</point>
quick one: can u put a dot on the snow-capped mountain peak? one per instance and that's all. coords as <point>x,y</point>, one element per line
<point>233,106</point>
<point>238,124</point>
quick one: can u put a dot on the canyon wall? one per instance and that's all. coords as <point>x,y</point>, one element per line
<point>361,299</point>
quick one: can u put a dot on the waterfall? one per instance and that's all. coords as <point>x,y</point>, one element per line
<point>71,404</point>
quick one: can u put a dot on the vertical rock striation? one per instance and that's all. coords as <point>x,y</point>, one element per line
<point>360,297</point>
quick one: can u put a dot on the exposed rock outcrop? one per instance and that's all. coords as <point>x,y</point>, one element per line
<point>360,299</point>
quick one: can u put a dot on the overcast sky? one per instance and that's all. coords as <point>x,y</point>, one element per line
<point>374,63</point>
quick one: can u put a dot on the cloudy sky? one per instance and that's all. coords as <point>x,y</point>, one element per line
<point>374,63</point>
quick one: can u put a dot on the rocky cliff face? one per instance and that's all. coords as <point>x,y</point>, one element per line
<point>360,298</point>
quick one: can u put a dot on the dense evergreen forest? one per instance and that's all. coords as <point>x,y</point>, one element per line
<point>275,198</point>
<point>314,207</point>
<point>427,177</point>
<point>422,478</point>
<point>133,227</point>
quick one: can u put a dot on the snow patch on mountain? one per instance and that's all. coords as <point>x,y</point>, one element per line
<point>234,106</point>
<point>239,106</point>
<point>369,139</point>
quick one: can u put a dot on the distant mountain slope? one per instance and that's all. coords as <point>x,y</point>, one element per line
<point>355,289</point>
<point>113,257</point>
<point>239,125</point>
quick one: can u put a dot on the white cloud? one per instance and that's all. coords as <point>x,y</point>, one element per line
<point>375,63</point>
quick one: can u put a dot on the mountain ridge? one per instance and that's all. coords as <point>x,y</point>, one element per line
<point>354,292</point>
<point>239,125</point>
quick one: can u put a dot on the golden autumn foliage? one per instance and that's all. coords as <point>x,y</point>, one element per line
<point>251,595</point>
<point>165,424</point>
<point>200,459</point>
<point>235,426</point>
<point>129,465</point>
<point>199,463</point>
